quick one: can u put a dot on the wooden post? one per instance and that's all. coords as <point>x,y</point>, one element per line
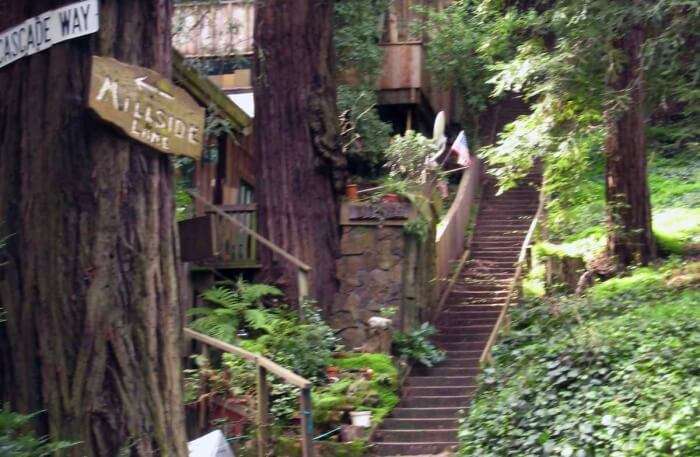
<point>263,412</point>
<point>307,423</point>
<point>303,284</point>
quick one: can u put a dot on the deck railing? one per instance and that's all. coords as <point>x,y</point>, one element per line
<point>237,246</point>
<point>302,268</point>
<point>263,367</point>
<point>514,284</point>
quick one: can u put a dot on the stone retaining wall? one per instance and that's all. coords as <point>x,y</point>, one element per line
<point>381,267</point>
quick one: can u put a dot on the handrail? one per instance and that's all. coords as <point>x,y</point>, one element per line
<point>289,376</point>
<point>486,354</point>
<point>298,263</point>
<point>450,239</point>
<point>265,365</point>
<point>303,268</point>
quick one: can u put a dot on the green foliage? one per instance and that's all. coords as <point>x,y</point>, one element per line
<point>358,28</point>
<point>357,31</point>
<point>16,441</point>
<point>419,227</point>
<point>378,394</point>
<point>233,309</point>
<point>613,373</point>
<point>466,39</point>
<point>407,154</point>
<point>416,346</point>
<point>678,230</point>
<point>305,348</point>
<point>364,135</point>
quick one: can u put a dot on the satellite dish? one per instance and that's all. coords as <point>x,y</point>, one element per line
<point>439,128</point>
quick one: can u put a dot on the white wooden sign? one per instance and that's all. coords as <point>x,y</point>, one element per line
<point>43,31</point>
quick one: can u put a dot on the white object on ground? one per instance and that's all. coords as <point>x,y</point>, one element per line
<point>361,418</point>
<point>379,322</point>
<point>212,444</point>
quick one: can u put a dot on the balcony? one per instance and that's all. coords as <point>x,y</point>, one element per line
<point>210,241</point>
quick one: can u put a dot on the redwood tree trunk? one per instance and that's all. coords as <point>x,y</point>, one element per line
<point>300,165</point>
<point>630,239</point>
<point>89,287</point>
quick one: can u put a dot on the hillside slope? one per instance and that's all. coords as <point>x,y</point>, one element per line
<point>613,373</point>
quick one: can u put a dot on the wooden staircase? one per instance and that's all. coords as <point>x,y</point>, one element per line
<point>425,421</point>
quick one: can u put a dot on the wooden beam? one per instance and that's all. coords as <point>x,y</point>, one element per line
<point>207,93</point>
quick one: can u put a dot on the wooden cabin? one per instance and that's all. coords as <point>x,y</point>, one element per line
<point>226,180</point>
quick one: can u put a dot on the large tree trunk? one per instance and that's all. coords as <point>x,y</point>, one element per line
<point>89,287</point>
<point>630,239</point>
<point>300,166</point>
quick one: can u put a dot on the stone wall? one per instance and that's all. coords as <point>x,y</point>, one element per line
<point>381,267</point>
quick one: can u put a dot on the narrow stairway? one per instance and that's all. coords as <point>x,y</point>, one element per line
<point>425,421</point>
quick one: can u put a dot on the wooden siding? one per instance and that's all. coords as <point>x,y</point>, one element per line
<point>221,29</point>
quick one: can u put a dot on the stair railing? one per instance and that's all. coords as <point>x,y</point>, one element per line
<point>303,269</point>
<point>265,366</point>
<point>486,357</point>
<point>450,237</point>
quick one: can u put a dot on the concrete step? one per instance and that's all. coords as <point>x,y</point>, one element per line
<point>435,401</point>
<point>447,325</point>
<point>460,329</point>
<point>460,293</point>
<point>431,391</point>
<point>410,448</point>
<point>467,363</point>
<point>419,424</point>
<point>431,381</point>
<point>463,346</point>
<point>416,436</point>
<point>426,413</point>
<point>461,309</point>
<point>457,338</point>
<point>464,354</point>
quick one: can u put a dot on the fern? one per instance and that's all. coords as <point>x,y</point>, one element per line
<point>232,309</point>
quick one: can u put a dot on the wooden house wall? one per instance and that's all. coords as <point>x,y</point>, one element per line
<point>219,29</point>
<point>240,165</point>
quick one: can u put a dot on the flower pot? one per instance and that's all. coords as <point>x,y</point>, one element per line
<point>361,418</point>
<point>351,192</point>
<point>332,373</point>
<point>391,198</point>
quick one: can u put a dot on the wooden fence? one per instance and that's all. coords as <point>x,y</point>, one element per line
<point>451,233</point>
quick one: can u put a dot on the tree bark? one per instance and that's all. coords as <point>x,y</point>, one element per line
<point>300,165</point>
<point>630,238</point>
<point>89,287</point>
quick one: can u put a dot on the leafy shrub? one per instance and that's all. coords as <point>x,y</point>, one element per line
<point>15,441</point>
<point>378,394</point>
<point>614,373</point>
<point>406,155</point>
<point>233,310</point>
<point>416,346</point>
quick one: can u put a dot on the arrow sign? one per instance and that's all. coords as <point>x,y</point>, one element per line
<point>134,100</point>
<point>143,85</point>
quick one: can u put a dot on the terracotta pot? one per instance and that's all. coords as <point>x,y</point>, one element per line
<point>391,198</point>
<point>351,192</point>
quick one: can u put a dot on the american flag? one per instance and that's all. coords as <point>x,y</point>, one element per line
<point>461,149</point>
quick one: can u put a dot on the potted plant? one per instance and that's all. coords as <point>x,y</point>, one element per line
<point>351,191</point>
<point>391,198</point>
